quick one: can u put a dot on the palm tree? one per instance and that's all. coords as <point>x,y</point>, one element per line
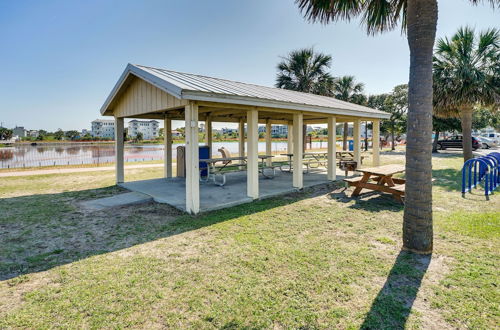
<point>466,73</point>
<point>306,71</point>
<point>347,89</point>
<point>418,18</point>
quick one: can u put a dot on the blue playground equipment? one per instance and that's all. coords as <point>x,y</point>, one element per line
<point>482,169</point>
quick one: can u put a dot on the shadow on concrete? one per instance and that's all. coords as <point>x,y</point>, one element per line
<point>39,232</point>
<point>392,306</point>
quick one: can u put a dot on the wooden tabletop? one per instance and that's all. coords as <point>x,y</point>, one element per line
<point>384,170</point>
<point>215,160</point>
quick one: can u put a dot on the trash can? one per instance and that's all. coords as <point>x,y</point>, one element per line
<point>203,153</point>
<point>351,145</point>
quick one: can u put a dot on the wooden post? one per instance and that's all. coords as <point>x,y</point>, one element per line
<point>269,151</point>
<point>253,159</point>
<point>304,138</point>
<point>376,142</point>
<point>167,133</point>
<point>241,139</point>
<point>357,141</point>
<point>208,133</point>
<point>289,146</point>
<point>332,148</point>
<point>298,151</point>
<point>119,149</point>
<point>192,159</point>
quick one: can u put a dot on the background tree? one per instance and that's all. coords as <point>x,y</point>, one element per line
<point>72,134</point>
<point>347,89</point>
<point>484,117</point>
<point>42,134</point>
<point>138,137</point>
<point>418,18</point>
<point>305,70</point>
<point>439,125</point>
<point>396,103</point>
<point>466,72</point>
<point>59,134</point>
<point>5,133</point>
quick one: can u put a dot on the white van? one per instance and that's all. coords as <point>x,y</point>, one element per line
<point>494,136</point>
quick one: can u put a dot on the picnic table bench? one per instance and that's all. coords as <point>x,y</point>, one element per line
<point>380,178</point>
<point>229,165</point>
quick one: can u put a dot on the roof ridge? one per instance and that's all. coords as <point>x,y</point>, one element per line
<point>253,84</point>
<point>235,81</point>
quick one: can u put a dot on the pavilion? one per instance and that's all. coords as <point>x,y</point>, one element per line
<point>152,93</point>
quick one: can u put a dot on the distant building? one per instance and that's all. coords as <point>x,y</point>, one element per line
<point>226,130</point>
<point>32,133</point>
<point>103,128</point>
<point>148,128</point>
<point>85,132</point>
<point>19,131</point>
<point>276,130</point>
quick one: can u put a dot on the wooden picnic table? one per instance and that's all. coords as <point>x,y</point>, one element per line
<point>214,170</point>
<point>314,160</point>
<point>380,178</point>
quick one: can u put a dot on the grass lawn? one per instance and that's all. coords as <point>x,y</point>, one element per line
<point>317,259</point>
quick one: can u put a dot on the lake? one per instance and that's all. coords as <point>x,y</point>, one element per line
<point>81,154</point>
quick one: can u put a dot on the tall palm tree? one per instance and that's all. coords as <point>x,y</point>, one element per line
<point>347,89</point>
<point>466,74</point>
<point>305,70</point>
<point>418,18</point>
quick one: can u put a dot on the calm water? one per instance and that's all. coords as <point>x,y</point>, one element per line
<point>74,154</point>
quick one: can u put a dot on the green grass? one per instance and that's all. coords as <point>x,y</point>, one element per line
<point>318,259</point>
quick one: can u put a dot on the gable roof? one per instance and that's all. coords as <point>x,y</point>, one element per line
<point>187,86</point>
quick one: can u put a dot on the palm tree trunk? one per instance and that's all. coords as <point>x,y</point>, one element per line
<point>466,119</point>
<point>417,219</point>
<point>345,132</point>
<point>435,142</point>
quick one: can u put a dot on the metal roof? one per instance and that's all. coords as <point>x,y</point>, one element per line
<point>189,86</point>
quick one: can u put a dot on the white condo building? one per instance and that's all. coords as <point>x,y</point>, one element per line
<point>103,128</point>
<point>149,129</point>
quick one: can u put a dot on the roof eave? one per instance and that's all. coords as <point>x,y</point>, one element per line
<point>150,78</point>
<point>211,97</point>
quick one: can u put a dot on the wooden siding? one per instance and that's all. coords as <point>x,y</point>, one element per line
<point>141,97</point>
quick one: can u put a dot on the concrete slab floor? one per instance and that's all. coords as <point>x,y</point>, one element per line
<point>172,191</point>
<point>117,200</point>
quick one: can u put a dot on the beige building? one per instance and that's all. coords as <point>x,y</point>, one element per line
<point>151,93</point>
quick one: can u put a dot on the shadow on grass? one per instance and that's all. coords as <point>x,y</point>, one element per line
<point>392,306</point>
<point>368,201</point>
<point>39,232</point>
<point>448,178</point>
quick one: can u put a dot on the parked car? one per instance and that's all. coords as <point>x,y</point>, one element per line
<point>493,136</point>
<point>456,142</point>
<point>487,143</point>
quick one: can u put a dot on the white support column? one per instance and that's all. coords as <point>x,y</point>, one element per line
<point>192,159</point>
<point>252,157</point>
<point>357,141</point>
<point>167,133</point>
<point>208,133</point>
<point>119,146</point>
<point>241,139</point>
<point>376,142</point>
<point>332,148</point>
<point>269,151</point>
<point>298,140</point>
<point>289,146</point>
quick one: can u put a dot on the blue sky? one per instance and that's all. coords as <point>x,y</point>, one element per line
<point>61,58</point>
